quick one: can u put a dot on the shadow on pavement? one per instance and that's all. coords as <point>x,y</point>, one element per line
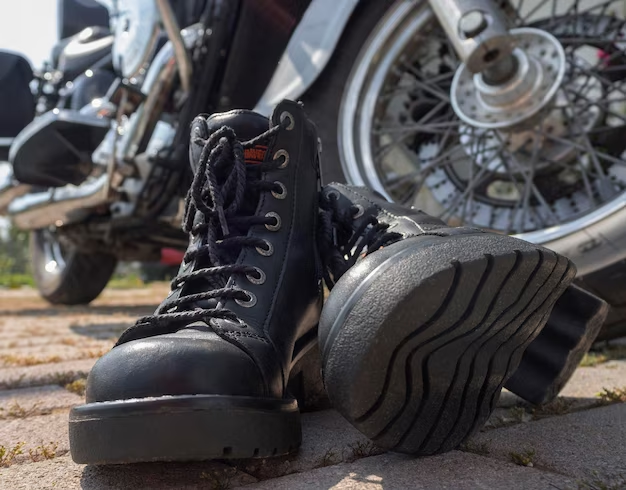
<point>47,310</point>
<point>101,331</point>
<point>163,475</point>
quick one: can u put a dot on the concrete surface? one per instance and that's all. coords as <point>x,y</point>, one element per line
<point>574,443</point>
<point>454,470</point>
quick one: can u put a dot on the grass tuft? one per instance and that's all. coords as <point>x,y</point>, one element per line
<point>361,449</point>
<point>617,395</point>
<point>43,452</point>
<point>329,458</point>
<point>12,360</point>
<point>525,458</point>
<point>559,406</point>
<point>77,386</point>
<point>475,448</point>
<point>17,411</point>
<point>16,281</point>
<point>601,356</point>
<point>8,454</point>
<point>127,281</point>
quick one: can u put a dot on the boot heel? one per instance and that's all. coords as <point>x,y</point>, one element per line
<point>550,360</point>
<point>415,355</point>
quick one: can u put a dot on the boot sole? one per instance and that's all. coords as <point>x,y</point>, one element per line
<point>420,349</point>
<point>552,358</point>
<point>183,428</point>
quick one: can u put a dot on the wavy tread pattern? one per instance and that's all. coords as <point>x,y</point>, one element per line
<point>444,375</point>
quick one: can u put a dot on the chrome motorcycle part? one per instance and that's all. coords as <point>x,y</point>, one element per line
<point>58,207</point>
<point>71,204</point>
<point>65,275</point>
<point>477,31</point>
<point>556,176</point>
<point>157,87</point>
<point>9,188</point>
<point>162,138</point>
<point>183,60</point>
<point>310,48</point>
<point>136,34</point>
<point>540,69</point>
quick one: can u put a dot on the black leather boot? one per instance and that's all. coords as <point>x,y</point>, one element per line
<point>205,376</point>
<point>425,323</point>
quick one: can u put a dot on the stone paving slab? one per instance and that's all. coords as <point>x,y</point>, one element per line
<point>454,470</point>
<point>89,326</point>
<point>45,354</point>
<point>37,437</point>
<point>63,473</point>
<point>44,374</point>
<point>333,452</point>
<point>327,438</point>
<point>578,444</point>
<point>587,382</point>
<point>33,345</point>
<point>39,400</point>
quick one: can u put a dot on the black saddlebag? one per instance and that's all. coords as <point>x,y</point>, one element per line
<point>55,149</point>
<point>17,104</point>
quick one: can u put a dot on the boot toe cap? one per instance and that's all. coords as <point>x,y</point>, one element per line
<point>174,365</point>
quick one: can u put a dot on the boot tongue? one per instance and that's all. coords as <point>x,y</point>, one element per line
<point>246,124</point>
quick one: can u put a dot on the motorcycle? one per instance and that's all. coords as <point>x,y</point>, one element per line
<point>507,115</point>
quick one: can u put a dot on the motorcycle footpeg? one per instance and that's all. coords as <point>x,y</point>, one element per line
<point>553,356</point>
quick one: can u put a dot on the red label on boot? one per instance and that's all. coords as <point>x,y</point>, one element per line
<point>256,155</point>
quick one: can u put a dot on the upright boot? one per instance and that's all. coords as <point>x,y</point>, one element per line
<point>205,376</point>
<point>424,323</point>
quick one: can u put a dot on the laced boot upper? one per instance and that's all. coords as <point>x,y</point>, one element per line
<point>356,221</point>
<point>247,297</point>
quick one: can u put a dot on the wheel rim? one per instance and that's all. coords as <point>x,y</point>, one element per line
<point>399,135</point>
<point>52,261</point>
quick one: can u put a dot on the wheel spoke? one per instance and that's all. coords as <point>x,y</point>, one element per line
<point>432,128</point>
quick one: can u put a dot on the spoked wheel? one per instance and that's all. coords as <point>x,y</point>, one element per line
<point>63,274</point>
<point>557,178</point>
<point>400,134</point>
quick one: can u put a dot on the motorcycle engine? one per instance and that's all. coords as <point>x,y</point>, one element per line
<point>136,35</point>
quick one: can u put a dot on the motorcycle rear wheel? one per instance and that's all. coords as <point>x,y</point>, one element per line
<point>65,276</point>
<point>377,50</point>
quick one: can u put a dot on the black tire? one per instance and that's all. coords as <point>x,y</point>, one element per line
<point>610,284</point>
<point>78,281</point>
<point>323,100</point>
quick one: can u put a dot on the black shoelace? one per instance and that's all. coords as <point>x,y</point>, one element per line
<point>221,185</point>
<point>341,245</point>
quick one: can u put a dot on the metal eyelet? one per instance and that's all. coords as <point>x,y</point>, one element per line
<point>292,123</point>
<point>283,191</point>
<point>257,280</point>
<point>266,251</point>
<point>359,211</point>
<point>249,303</point>
<point>282,153</point>
<point>275,227</point>
<point>332,193</point>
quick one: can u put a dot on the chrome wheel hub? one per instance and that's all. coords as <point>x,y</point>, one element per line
<point>540,61</point>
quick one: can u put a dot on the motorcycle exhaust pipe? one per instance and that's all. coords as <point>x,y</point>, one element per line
<point>59,206</point>
<point>9,189</point>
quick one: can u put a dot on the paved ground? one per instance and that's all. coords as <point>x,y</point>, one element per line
<point>45,354</point>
